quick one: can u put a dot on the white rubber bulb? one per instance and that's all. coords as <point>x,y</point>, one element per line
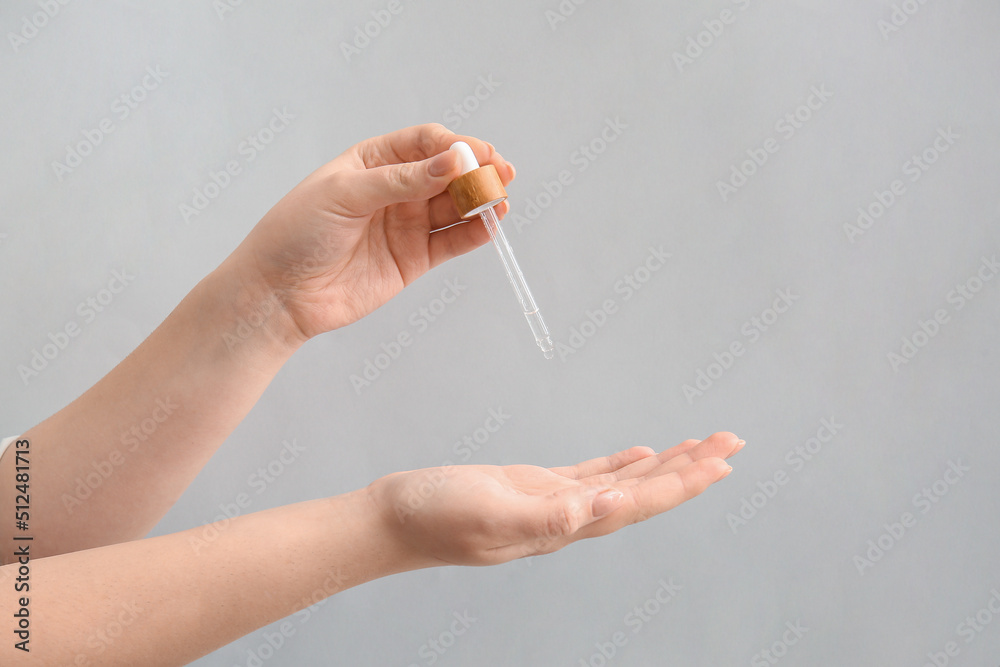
<point>469,161</point>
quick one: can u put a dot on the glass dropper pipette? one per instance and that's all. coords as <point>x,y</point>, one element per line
<point>476,192</point>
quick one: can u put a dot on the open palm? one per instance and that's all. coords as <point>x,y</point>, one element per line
<point>484,515</point>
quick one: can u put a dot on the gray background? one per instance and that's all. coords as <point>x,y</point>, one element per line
<point>655,185</point>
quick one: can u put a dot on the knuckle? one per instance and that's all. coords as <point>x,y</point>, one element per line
<point>431,137</point>
<point>436,128</point>
<point>561,522</point>
<point>400,177</point>
<point>642,506</point>
<point>636,453</point>
<point>368,152</point>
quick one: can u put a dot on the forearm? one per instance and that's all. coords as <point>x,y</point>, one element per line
<point>181,596</point>
<point>110,464</point>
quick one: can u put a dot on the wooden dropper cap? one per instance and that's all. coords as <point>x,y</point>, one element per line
<point>478,188</point>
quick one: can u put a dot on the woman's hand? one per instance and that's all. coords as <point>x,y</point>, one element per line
<point>485,515</point>
<point>358,230</point>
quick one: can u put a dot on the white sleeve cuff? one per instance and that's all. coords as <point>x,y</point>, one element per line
<point>5,442</point>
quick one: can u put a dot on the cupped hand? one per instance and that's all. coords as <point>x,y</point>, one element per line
<point>485,515</point>
<point>359,229</point>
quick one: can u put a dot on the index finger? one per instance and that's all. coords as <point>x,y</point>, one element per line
<point>721,445</point>
<point>412,144</point>
<point>604,464</point>
<point>657,494</point>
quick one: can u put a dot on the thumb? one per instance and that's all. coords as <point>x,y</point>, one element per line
<point>567,512</point>
<point>369,190</point>
<point>547,524</point>
<point>606,502</point>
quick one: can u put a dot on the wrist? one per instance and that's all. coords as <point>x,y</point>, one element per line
<point>387,517</point>
<point>259,317</point>
<point>373,548</point>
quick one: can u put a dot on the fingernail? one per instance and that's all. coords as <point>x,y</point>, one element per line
<point>442,164</point>
<point>513,172</point>
<point>607,502</point>
<point>741,443</point>
<point>725,474</point>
